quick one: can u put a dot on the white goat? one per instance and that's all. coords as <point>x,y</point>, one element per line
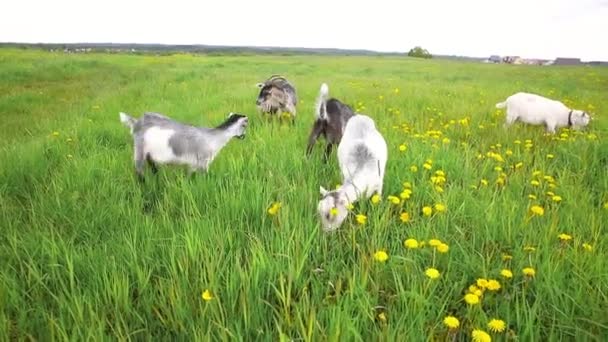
<point>537,110</point>
<point>362,155</point>
<point>159,139</point>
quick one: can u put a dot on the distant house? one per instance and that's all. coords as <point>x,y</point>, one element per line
<point>598,63</point>
<point>494,59</point>
<point>510,59</point>
<point>567,61</point>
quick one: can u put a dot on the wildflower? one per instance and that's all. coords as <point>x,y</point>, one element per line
<point>434,242</point>
<point>480,336</point>
<point>506,257</point>
<point>407,185</point>
<point>509,152</point>
<point>517,142</point>
<point>432,273</point>
<point>484,182</point>
<point>498,168</point>
<point>506,273</point>
<point>381,256</point>
<point>207,295</point>
<point>411,243</point>
<point>333,211</point>
<point>493,285</point>
<point>427,166</point>
<point>361,219</point>
<point>529,249</point>
<point>406,194</point>
<point>497,325</point>
<point>564,237</point>
<point>402,148</point>
<point>556,198</point>
<point>471,298</point>
<point>382,316</point>
<point>350,206</point>
<point>537,210</point>
<point>519,165</point>
<point>445,141</point>
<point>69,156</point>
<point>376,199</point>
<point>451,322</point>
<point>55,134</point>
<point>438,189</point>
<point>550,156</point>
<point>414,168</point>
<point>536,173</point>
<point>535,182</point>
<point>532,197</point>
<point>274,208</point>
<point>440,208</point>
<point>443,248</point>
<point>529,271</point>
<point>587,247</point>
<point>68,140</point>
<point>482,283</point>
<point>404,217</point>
<point>394,200</point>
<point>427,211</point>
<point>396,90</point>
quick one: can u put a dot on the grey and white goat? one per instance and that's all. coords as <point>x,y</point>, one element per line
<point>158,139</point>
<point>362,155</point>
<point>276,95</point>
<point>331,118</point>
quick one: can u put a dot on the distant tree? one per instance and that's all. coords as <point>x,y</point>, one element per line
<point>419,52</point>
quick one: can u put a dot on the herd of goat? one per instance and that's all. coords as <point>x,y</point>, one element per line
<point>362,150</point>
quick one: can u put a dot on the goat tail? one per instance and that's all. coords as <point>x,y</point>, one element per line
<point>321,102</point>
<point>127,120</point>
<point>501,105</point>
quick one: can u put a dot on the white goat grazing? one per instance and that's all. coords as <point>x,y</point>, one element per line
<point>537,110</point>
<point>362,155</point>
<point>159,139</point>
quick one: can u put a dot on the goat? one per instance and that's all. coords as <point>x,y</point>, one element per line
<point>362,155</point>
<point>277,95</point>
<point>537,110</point>
<point>331,118</point>
<point>160,140</point>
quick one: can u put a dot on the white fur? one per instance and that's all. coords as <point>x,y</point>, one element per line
<point>156,145</point>
<point>321,99</point>
<point>537,110</point>
<point>361,177</point>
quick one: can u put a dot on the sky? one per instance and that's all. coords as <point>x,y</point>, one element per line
<point>527,28</point>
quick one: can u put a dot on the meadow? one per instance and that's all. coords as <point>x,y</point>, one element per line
<point>481,232</point>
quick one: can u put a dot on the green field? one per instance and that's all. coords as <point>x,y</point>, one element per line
<point>88,253</point>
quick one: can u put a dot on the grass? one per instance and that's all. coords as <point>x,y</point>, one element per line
<point>89,253</point>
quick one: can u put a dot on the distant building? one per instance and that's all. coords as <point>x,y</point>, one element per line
<point>567,61</point>
<point>510,59</point>
<point>494,59</point>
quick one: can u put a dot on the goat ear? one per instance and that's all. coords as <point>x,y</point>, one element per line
<point>323,191</point>
<point>259,85</point>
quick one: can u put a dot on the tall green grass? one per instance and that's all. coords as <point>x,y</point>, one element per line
<point>89,253</point>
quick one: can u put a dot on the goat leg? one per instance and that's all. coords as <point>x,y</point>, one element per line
<point>316,131</point>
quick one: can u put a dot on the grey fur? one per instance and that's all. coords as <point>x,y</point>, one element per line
<point>332,116</point>
<point>193,146</point>
<point>276,95</point>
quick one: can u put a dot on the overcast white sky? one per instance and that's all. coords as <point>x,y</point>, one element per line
<point>528,28</point>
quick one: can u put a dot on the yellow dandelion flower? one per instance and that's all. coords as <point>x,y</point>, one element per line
<point>506,257</point>
<point>381,256</point>
<point>394,199</point>
<point>517,142</point>
<point>550,193</point>
<point>361,219</point>
<point>333,211</point>
<point>440,208</point>
<point>440,173</point>
<point>482,283</point>
<point>550,156</point>
<point>414,168</point>
<point>564,237</point>
<point>396,90</point>
<point>402,148</point>
<point>480,336</point>
<point>506,273</point>
<point>532,197</point>
<point>407,185</point>
<point>382,316</point>
<point>535,182</point>
<point>536,173</point>
<point>552,186</point>
<point>432,273</point>
<point>434,242</point>
<point>55,134</point>
<point>519,165</point>
<point>587,247</point>
<point>509,152</point>
<point>427,166</point>
<point>471,298</point>
<point>484,182</point>
<point>445,141</point>
<point>350,206</point>
<point>493,285</point>
<point>451,322</point>
<point>498,168</point>
<point>529,271</point>
<point>529,248</point>
<point>207,295</point>
<point>274,208</point>
<point>537,210</point>
<point>443,248</point>
<point>427,211</point>
<point>406,194</point>
<point>473,288</point>
<point>376,199</point>
<point>439,189</point>
<point>556,198</point>
<point>411,243</point>
<point>497,325</point>
<point>404,217</point>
